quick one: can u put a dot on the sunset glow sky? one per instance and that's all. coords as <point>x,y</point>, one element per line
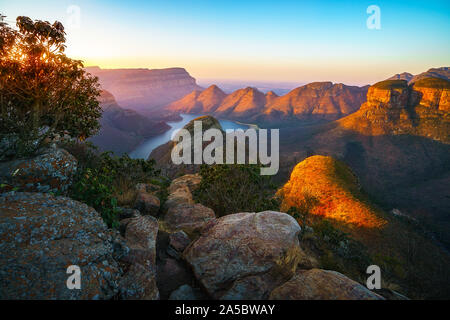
<point>294,41</point>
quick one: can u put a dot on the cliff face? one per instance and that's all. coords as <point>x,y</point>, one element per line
<point>319,100</point>
<point>123,129</point>
<point>145,89</point>
<point>393,107</point>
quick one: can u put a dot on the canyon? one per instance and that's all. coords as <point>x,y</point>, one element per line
<point>122,130</point>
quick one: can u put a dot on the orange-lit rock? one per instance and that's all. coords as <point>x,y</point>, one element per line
<point>334,191</point>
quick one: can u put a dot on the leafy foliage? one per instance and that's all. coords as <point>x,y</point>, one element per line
<point>102,178</point>
<point>230,189</point>
<point>42,91</point>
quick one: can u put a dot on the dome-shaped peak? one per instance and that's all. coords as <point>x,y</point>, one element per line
<point>213,88</point>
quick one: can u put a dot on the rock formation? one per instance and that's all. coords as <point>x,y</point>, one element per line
<point>242,245</point>
<point>332,190</point>
<point>42,235</point>
<point>144,89</point>
<point>316,284</point>
<point>50,171</point>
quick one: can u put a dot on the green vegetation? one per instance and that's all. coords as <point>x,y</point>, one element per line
<point>106,182</point>
<point>230,189</point>
<point>434,83</point>
<point>43,92</point>
<point>391,84</point>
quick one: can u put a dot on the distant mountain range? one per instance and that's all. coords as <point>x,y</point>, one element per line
<point>443,73</point>
<point>318,100</point>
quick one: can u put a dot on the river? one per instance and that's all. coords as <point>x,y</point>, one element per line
<point>144,150</point>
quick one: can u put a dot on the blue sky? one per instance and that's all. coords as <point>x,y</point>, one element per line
<point>298,41</point>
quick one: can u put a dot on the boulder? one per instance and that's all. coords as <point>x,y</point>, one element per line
<point>42,235</point>
<point>188,217</point>
<point>190,180</point>
<point>147,203</point>
<point>140,235</point>
<point>180,190</point>
<point>139,281</point>
<point>317,284</point>
<point>241,245</point>
<point>185,292</point>
<point>125,213</point>
<point>179,240</point>
<point>256,287</point>
<point>182,195</point>
<point>50,171</point>
<point>170,275</point>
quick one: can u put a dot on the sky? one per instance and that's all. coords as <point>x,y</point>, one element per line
<point>279,41</point>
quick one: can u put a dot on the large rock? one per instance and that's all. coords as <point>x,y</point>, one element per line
<point>139,281</point>
<point>172,274</point>
<point>242,245</point>
<point>317,284</point>
<point>41,235</point>
<point>179,241</point>
<point>147,203</point>
<point>189,180</point>
<point>186,292</point>
<point>51,171</point>
<point>188,217</point>
<point>181,195</point>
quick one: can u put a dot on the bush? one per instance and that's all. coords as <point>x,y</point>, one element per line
<point>105,182</point>
<point>235,188</point>
<point>94,187</point>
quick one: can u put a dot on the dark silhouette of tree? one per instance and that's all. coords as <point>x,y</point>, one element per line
<point>42,91</point>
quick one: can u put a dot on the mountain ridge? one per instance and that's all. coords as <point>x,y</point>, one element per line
<point>315,100</point>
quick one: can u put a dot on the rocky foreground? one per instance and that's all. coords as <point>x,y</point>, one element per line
<point>186,253</point>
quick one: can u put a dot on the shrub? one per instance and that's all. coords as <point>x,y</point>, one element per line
<point>94,187</point>
<point>235,188</point>
<point>105,182</point>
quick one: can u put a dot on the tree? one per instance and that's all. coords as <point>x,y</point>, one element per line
<point>42,91</point>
